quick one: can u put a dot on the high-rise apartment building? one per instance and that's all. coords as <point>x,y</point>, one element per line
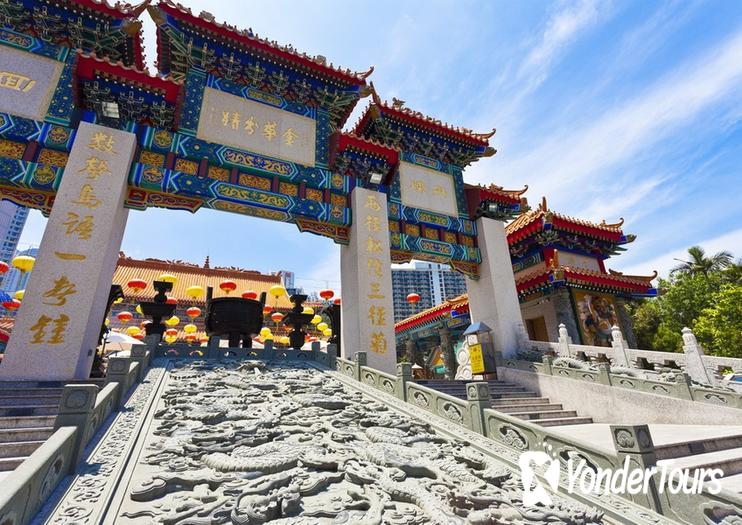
<point>432,281</point>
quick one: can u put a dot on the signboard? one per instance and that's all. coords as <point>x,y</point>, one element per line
<point>476,358</point>
<point>427,189</point>
<point>259,128</point>
<point>27,83</point>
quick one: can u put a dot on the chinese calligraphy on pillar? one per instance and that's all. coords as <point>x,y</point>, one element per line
<point>368,316</point>
<point>57,327</point>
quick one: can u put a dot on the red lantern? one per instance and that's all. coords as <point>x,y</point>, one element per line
<point>277,317</point>
<point>124,317</point>
<point>138,336</point>
<point>171,300</point>
<point>190,337</point>
<point>267,309</point>
<point>193,312</point>
<point>137,285</point>
<point>4,267</point>
<point>228,286</point>
<point>250,295</point>
<point>413,298</point>
<point>326,294</point>
<point>337,301</point>
<point>171,332</point>
<point>204,339</point>
<point>11,305</point>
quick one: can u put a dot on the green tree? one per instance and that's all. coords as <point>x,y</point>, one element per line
<point>719,326</point>
<point>698,263</point>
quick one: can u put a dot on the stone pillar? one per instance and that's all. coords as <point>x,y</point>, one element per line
<point>478,398</point>
<point>627,326</point>
<point>411,350</point>
<point>118,372</point>
<point>493,298</point>
<point>57,327</point>
<point>404,376</point>
<point>76,410</point>
<point>332,353</point>
<point>620,352</point>
<point>366,278</point>
<point>694,366</point>
<point>449,357</point>
<point>634,444</point>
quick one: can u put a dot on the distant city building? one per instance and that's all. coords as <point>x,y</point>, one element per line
<point>13,280</point>
<point>12,220</point>
<point>435,283</point>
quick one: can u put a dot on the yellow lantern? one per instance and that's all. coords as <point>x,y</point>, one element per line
<point>322,327</point>
<point>308,310</point>
<point>132,330</point>
<point>277,291</point>
<point>170,339</point>
<point>265,332</point>
<point>107,321</point>
<point>268,337</point>
<point>173,321</point>
<point>285,340</point>
<point>195,291</point>
<point>190,328</point>
<point>19,294</point>
<point>138,309</point>
<point>24,262</point>
<point>327,332</point>
<point>316,320</point>
<point>119,300</point>
<point>168,278</point>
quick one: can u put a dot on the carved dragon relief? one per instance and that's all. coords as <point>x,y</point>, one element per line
<point>231,444</point>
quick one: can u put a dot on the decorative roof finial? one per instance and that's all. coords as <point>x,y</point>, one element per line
<point>543,206</point>
<point>397,103</point>
<point>206,262</point>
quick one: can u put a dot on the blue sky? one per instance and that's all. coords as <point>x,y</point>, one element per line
<point>611,109</point>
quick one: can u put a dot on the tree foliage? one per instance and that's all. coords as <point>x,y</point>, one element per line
<point>705,296</point>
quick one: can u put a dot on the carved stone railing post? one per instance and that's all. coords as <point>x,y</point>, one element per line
<point>76,410</point>
<point>694,365</point>
<point>212,350</point>
<point>316,346</point>
<point>268,351</point>
<point>564,341</point>
<point>117,372</point>
<point>685,383</point>
<point>478,398</point>
<point>620,354</point>
<point>404,375</point>
<point>360,359</point>
<point>332,354</point>
<point>604,373</point>
<point>634,444</point>
<point>548,361</point>
<point>139,355</point>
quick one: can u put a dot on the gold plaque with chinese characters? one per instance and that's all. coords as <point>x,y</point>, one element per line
<point>427,189</point>
<point>258,128</point>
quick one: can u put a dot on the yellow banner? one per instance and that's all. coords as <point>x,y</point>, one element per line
<point>476,358</point>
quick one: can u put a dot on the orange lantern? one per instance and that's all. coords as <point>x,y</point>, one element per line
<point>137,285</point>
<point>267,309</point>
<point>138,336</point>
<point>413,298</point>
<point>190,337</point>
<point>276,317</point>
<point>204,339</point>
<point>11,305</point>
<point>171,300</point>
<point>4,267</point>
<point>250,294</point>
<point>193,312</point>
<point>326,294</point>
<point>124,317</point>
<point>171,332</point>
<point>337,301</point>
<point>228,286</point>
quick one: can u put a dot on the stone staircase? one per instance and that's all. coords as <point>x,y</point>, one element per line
<point>28,410</point>
<point>515,401</point>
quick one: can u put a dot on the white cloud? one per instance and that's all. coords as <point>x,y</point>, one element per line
<point>730,241</point>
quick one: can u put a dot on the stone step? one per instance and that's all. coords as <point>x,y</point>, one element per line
<point>462,390</point>
<point>29,410</point>
<point>558,422</point>
<point>8,464</point>
<point>699,446</point>
<point>515,395</point>
<point>538,414</point>
<point>9,435</point>
<point>729,461</point>
<point>19,448</point>
<point>530,407</point>
<point>7,422</point>
<point>14,392</point>
<point>27,400</point>
<point>497,403</point>
<point>14,385</point>
<point>732,483</point>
